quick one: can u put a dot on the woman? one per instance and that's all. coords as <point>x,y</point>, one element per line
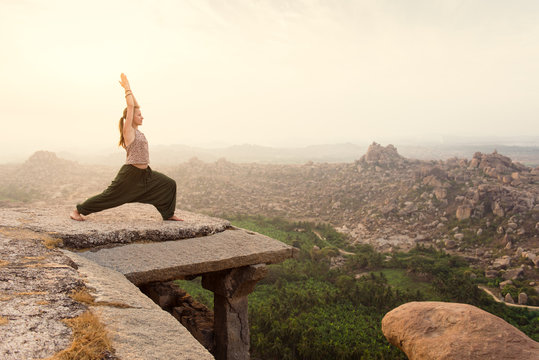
<point>136,181</point>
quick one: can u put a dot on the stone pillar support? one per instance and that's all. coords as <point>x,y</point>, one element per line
<point>231,326</point>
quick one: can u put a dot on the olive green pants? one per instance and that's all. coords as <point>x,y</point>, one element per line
<point>135,185</point>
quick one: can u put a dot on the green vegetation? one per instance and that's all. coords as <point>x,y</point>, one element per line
<point>400,279</point>
<point>307,309</point>
<point>195,289</point>
<point>518,287</point>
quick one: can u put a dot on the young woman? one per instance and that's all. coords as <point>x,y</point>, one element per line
<point>136,181</point>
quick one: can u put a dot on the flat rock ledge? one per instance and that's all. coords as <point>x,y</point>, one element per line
<point>438,330</point>
<point>170,260</point>
<point>35,282</point>
<point>122,225</point>
<point>35,287</point>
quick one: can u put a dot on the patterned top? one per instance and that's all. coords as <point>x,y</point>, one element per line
<point>137,151</point>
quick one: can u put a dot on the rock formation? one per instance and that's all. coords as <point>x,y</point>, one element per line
<point>381,156</point>
<point>382,199</point>
<point>437,330</point>
<point>36,281</point>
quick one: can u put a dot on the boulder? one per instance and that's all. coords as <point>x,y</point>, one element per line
<point>474,163</point>
<point>513,274</point>
<point>498,210</point>
<point>450,244</point>
<point>522,298</point>
<point>509,299</point>
<point>440,193</point>
<point>464,212</point>
<point>431,180</point>
<point>512,225</point>
<point>491,274</point>
<point>380,155</point>
<point>531,256</point>
<point>502,263</point>
<point>438,330</point>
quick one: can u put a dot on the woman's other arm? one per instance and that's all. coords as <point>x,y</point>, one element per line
<point>128,130</point>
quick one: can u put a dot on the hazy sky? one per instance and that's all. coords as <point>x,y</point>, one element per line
<point>268,72</point>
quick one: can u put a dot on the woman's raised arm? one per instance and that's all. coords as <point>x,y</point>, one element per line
<point>128,130</point>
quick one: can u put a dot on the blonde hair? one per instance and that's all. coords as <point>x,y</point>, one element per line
<point>121,127</point>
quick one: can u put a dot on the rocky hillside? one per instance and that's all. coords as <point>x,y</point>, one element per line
<point>46,177</point>
<point>485,208</point>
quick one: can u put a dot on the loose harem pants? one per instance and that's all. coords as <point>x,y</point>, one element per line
<point>135,185</point>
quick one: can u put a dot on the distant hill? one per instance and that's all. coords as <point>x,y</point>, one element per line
<point>324,153</point>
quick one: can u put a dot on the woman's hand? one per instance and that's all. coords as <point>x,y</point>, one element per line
<point>124,82</point>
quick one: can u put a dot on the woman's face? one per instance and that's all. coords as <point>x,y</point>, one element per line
<point>137,117</point>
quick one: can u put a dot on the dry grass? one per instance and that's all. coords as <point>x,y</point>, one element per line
<point>83,296</point>
<point>30,293</point>
<point>3,263</point>
<point>3,320</point>
<point>5,297</point>
<point>47,265</point>
<point>90,339</point>
<point>51,243</point>
<point>42,302</point>
<point>25,234</point>
<point>33,258</point>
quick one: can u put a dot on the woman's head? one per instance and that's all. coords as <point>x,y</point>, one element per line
<point>137,116</point>
<point>137,120</point>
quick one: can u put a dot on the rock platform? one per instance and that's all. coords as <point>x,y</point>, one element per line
<point>122,225</point>
<point>164,261</point>
<point>133,243</point>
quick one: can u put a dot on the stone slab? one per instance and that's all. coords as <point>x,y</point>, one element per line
<point>124,224</point>
<point>35,284</point>
<point>169,260</point>
<point>142,331</point>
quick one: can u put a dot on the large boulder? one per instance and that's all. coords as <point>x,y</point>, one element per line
<point>502,263</point>
<point>437,330</point>
<point>495,164</point>
<point>464,212</point>
<point>380,155</point>
<point>513,274</point>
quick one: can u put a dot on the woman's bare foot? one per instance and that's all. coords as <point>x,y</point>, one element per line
<point>174,218</point>
<point>75,215</point>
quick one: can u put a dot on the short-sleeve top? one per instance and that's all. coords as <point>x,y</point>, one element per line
<point>137,151</point>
